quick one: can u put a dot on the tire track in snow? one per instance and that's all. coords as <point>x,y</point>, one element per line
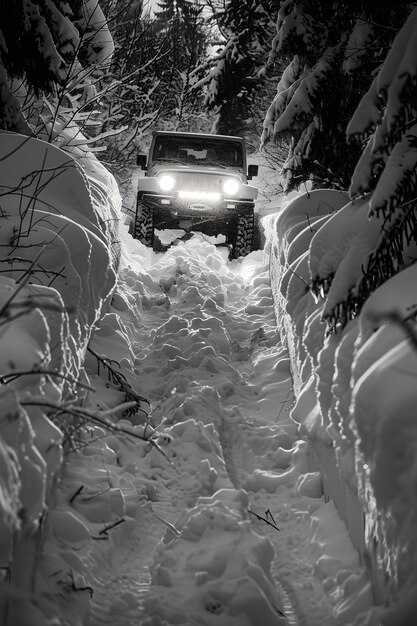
<point>208,356</point>
<point>121,580</point>
<point>239,465</point>
<point>230,443</point>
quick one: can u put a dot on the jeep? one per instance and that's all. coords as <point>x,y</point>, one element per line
<point>196,182</point>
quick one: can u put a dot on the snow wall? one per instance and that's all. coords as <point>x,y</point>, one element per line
<point>59,220</point>
<point>355,388</point>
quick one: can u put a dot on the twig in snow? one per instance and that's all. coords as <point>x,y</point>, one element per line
<point>312,230</point>
<point>76,494</point>
<point>95,495</point>
<point>171,527</point>
<point>98,418</point>
<point>21,282</point>
<point>264,519</point>
<point>283,403</point>
<point>86,588</point>
<point>268,512</point>
<point>120,379</point>
<point>300,277</point>
<point>105,530</point>
<point>37,371</point>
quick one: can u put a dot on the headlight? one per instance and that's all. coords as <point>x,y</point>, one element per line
<point>166,182</point>
<point>230,187</point>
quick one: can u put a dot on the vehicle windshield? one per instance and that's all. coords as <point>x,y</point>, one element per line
<point>196,151</point>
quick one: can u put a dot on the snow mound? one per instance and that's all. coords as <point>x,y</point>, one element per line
<point>57,276</point>
<point>355,396</point>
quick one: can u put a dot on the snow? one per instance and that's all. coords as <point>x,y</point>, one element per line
<point>227,575</point>
<point>188,445</point>
<point>398,168</point>
<point>385,117</point>
<point>57,277</point>
<point>340,267</point>
<point>193,534</point>
<point>95,34</point>
<point>301,94</point>
<point>355,395</point>
<point>369,165</point>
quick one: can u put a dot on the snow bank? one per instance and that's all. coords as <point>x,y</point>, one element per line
<point>292,232</point>
<point>57,276</point>
<point>355,389</point>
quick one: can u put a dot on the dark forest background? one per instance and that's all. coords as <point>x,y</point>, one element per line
<point>329,88</point>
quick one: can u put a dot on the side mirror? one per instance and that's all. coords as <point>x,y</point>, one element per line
<point>141,161</point>
<point>252,171</point>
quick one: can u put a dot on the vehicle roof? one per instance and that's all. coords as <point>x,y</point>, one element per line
<point>202,135</point>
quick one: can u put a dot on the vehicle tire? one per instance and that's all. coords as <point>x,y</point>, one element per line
<point>243,240</point>
<point>258,242</point>
<point>141,228</point>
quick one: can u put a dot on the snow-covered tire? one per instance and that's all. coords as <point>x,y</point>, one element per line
<point>258,242</point>
<point>141,228</point>
<point>243,240</point>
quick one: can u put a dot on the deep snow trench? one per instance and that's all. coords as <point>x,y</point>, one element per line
<point>228,528</point>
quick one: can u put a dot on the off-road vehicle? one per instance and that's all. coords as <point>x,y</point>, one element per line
<point>196,182</point>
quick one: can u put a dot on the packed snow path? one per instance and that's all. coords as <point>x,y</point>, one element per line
<point>202,545</point>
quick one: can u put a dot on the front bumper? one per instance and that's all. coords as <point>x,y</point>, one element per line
<point>195,206</point>
<point>171,211</point>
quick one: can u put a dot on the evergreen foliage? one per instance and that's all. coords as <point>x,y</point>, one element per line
<point>387,119</point>
<point>48,49</point>
<point>184,25</point>
<point>333,48</point>
<point>235,75</point>
<point>379,228</point>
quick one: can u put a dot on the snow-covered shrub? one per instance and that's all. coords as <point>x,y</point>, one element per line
<point>58,225</point>
<point>330,65</point>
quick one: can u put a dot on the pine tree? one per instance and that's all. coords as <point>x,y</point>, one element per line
<point>330,65</point>
<point>183,23</point>
<point>44,46</point>
<point>246,28</point>
<point>375,236</point>
<point>386,119</point>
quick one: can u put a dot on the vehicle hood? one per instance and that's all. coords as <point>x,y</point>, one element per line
<point>174,168</point>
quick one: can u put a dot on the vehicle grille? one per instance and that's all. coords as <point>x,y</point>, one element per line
<point>211,183</point>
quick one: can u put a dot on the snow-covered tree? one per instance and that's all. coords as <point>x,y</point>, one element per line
<point>50,51</point>
<point>373,238</point>
<point>168,10</point>
<point>151,76</point>
<point>131,98</point>
<point>245,28</point>
<point>386,119</point>
<point>184,24</point>
<point>333,48</point>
